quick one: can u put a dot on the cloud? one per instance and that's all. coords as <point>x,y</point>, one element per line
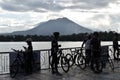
<point>115,18</point>
<point>29,5</point>
<point>104,22</point>
<point>15,21</point>
<point>52,5</point>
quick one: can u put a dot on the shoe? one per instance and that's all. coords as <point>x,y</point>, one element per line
<point>88,65</point>
<point>26,74</point>
<point>53,72</point>
<point>58,74</point>
<point>118,59</point>
<point>91,67</point>
<point>115,58</point>
<point>97,72</point>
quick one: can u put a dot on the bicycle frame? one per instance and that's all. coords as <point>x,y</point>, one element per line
<point>60,55</point>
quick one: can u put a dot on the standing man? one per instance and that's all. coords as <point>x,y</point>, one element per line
<point>28,56</point>
<point>95,48</point>
<point>116,47</point>
<point>54,51</point>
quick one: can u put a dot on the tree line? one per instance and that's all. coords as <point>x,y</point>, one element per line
<point>104,36</point>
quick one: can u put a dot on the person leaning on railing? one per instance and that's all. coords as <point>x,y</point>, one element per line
<point>28,56</point>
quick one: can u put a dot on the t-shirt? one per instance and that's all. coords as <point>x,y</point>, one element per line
<point>95,42</point>
<point>87,44</point>
<point>54,45</point>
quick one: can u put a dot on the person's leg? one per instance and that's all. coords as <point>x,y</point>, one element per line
<point>98,62</point>
<point>114,53</point>
<point>89,56</point>
<point>27,66</point>
<point>117,53</point>
<point>86,53</point>
<point>31,68</point>
<point>92,60</point>
<point>56,68</point>
<point>53,65</point>
<point>56,64</point>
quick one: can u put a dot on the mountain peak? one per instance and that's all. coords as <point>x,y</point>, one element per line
<point>62,25</point>
<point>63,19</point>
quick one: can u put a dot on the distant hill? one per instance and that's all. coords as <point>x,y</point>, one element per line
<point>62,25</point>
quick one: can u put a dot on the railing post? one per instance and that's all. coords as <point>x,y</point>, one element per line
<point>49,57</point>
<point>4,63</point>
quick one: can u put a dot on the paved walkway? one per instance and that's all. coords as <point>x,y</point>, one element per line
<point>75,73</point>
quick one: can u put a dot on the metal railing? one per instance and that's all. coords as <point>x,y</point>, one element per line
<point>43,58</point>
<point>4,62</point>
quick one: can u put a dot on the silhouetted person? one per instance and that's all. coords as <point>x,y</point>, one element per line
<point>95,48</point>
<point>86,37</point>
<point>54,50</point>
<point>116,47</point>
<point>87,42</point>
<point>28,56</point>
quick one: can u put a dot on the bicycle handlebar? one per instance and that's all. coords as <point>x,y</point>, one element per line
<point>16,50</point>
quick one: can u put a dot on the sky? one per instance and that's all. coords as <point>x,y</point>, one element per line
<point>17,15</point>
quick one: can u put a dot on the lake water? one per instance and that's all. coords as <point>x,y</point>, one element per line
<point>6,46</point>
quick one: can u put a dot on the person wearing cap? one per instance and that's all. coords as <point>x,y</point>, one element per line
<point>54,50</point>
<point>28,56</point>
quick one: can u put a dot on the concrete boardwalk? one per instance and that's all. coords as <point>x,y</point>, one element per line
<point>75,73</point>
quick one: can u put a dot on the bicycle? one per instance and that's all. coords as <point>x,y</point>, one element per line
<point>18,62</point>
<point>62,60</point>
<point>81,59</point>
<point>107,61</point>
<point>72,57</point>
<point>77,57</point>
<point>104,61</point>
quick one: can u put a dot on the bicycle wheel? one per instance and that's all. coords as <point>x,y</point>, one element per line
<point>110,64</point>
<point>14,69</point>
<point>70,59</point>
<point>76,59</point>
<point>65,64</point>
<point>81,61</point>
<point>97,66</point>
